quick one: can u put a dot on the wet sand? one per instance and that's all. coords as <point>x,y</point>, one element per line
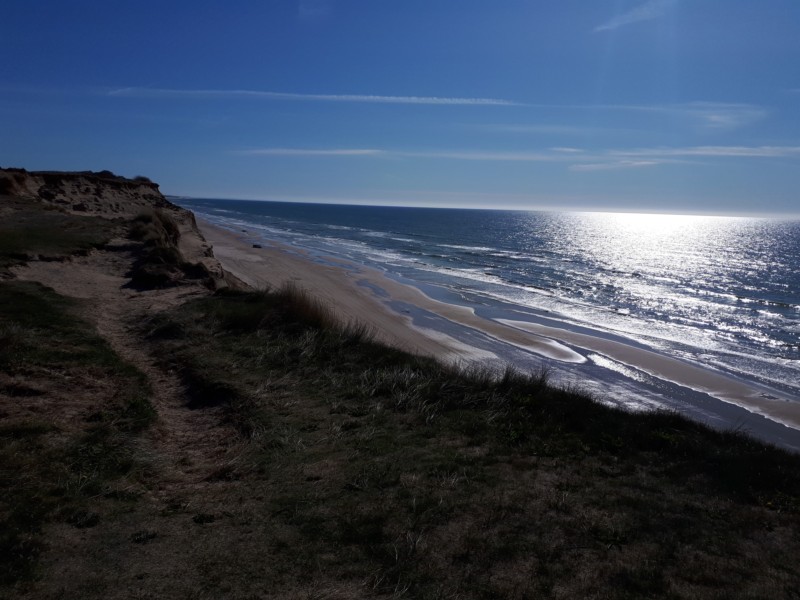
<point>362,294</point>
<point>337,285</point>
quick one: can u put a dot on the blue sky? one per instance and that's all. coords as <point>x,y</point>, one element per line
<point>641,105</point>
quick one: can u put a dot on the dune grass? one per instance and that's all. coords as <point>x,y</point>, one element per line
<point>29,230</point>
<point>59,451</point>
<point>399,475</point>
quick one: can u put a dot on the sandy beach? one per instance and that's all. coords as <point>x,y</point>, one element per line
<point>338,286</point>
<point>362,294</point>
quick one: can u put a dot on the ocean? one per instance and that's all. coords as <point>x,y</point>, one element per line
<point>722,292</point>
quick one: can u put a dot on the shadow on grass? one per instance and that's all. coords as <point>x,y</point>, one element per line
<point>414,476</point>
<point>52,469</point>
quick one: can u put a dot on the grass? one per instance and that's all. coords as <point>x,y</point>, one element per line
<point>40,331</point>
<point>59,451</point>
<point>32,231</point>
<point>404,476</point>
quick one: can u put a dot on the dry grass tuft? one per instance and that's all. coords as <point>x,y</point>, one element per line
<point>404,476</point>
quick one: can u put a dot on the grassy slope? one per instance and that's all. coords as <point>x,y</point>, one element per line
<point>30,231</point>
<point>398,474</point>
<point>71,405</point>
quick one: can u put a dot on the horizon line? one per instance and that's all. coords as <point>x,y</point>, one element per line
<point>506,207</point>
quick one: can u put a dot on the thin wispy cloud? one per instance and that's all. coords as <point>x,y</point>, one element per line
<point>708,115</point>
<point>138,92</point>
<point>581,159</point>
<point>651,157</point>
<point>711,115</point>
<point>615,165</point>
<point>576,159</point>
<point>715,151</point>
<point>312,152</point>
<point>573,130</point>
<point>484,156</point>
<point>648,11</point>
<point>433,154</point>
<point>719,115</point>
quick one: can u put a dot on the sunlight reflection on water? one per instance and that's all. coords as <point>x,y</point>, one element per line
<point>728,285</point>
<point>724,291</point>
<point>690,249</point>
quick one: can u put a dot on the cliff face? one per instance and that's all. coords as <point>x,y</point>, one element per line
<point>104,194</point>
<point>84,192</point>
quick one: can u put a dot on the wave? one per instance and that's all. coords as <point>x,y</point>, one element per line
<point>471,248</point>
<point>721,300</point>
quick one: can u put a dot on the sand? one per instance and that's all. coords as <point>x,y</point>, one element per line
<point>362,294</point>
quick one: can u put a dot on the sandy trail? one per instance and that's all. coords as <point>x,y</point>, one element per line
<point>185,445</point>
<point>185,455</point>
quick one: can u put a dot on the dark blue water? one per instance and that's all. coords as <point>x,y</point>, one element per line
<point>723,292</point>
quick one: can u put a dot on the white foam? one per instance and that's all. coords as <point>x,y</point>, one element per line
<point>470,248</point>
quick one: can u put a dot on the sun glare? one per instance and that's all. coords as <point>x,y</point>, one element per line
<point>642,242</point>
<point>657,224</point>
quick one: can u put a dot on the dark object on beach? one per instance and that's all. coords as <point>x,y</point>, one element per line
<point>256,245</point>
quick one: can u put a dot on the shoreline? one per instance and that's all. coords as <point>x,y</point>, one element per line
<point>275,266</point>
<point>362,293</point>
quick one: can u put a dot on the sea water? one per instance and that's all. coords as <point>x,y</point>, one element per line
<point>723,292</point>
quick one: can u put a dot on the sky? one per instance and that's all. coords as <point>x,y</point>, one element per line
<point>683,106</point>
